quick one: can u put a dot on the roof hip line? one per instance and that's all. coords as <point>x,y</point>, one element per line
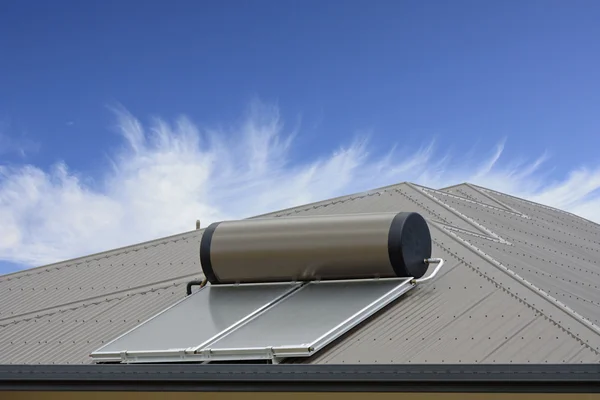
<point>468,220</point>
<point>97,256</point>
<point>475,188</point>
<point>563,307</point>
<point>533,203</point>
<point>470,199</point>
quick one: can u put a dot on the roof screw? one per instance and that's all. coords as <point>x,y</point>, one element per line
<point>197,224</point>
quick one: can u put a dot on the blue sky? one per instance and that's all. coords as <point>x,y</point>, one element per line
<point>121,121</point>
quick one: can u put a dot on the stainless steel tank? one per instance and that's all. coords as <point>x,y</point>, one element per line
<point>316,247</point>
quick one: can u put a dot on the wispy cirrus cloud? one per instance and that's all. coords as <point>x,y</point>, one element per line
<point>15,144</point>
<point>168,174</point>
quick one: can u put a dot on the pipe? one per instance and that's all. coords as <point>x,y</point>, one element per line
<point>439,262</point>
<point>201,283</point>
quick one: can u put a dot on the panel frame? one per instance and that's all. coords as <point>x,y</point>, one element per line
<point>203,353</point>
<point>277,353</point>
<point>179,354</point>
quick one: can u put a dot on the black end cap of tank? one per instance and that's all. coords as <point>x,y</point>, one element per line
<point>205,262</point>
<point>409,244</point>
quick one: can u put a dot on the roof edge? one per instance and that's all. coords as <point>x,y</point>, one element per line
<point>483,194</point>
<point>520,378</point>
<point>93,256</point>
<point>452,186</point>
<point>331,200</point>
<point>558,210</point>
<point>95,299</point>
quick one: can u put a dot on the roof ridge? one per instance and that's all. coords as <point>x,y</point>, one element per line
<point>475,188</point>
<point>467,184</point>
<point>517,277</point>
<point>338,199</point>
<point>595,329</point>
<point>558,210</point>
<point>468,232</point>
<point>584,238</point>
<point>95,256</point>
<point>452,186</point>
<point>27,316</point>
<point>484,205</point>
<point>465,218</point>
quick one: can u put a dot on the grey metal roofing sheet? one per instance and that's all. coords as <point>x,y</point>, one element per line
<point>99,275</point>
<point>541,211</point>
<point>467,315</point>
<point>403,197</point>
<point>473,193</point>
<point>69,335</point>
<point>483,307</point>
<point>556,257</point>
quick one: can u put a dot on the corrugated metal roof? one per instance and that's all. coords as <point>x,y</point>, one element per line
<point>474,313</point>
<point>503,297</point>
<point>99,275</point>
<point>557,255</point>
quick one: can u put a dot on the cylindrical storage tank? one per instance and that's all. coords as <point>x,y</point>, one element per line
<point>352,246</point>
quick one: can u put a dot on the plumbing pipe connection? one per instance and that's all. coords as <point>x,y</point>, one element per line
<point>439,262</point>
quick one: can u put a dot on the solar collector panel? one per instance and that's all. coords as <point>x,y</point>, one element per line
<point>195,320</point>
<point>308,319</point>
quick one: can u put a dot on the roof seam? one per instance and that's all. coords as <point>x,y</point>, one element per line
<point>487,209</point>
<point>91,301</point>
<point>467,232</point>
<point>462,193</point>
<point>97,257</point>
<point>549,238</point>
<point>572,313</point>
<point>335,200</point>
<point>343,199</point>
<point>530,286</point>
<point>562,223</point>
<point>503,208</point>
<point>476,189</point>
<point>317,206</point>
<point>568,234</point>
<point>479,203</point>
<point>458,214</point>
<point>517,332</point>
<point>435,214</point>
<point>537,204</point>
<point>545,274</point>
<point>451,186</point>
<point>557,264</point>
<point>579,298</point>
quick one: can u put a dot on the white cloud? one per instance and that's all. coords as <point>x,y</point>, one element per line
<point>167,175</point>
<point>18,144</point>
